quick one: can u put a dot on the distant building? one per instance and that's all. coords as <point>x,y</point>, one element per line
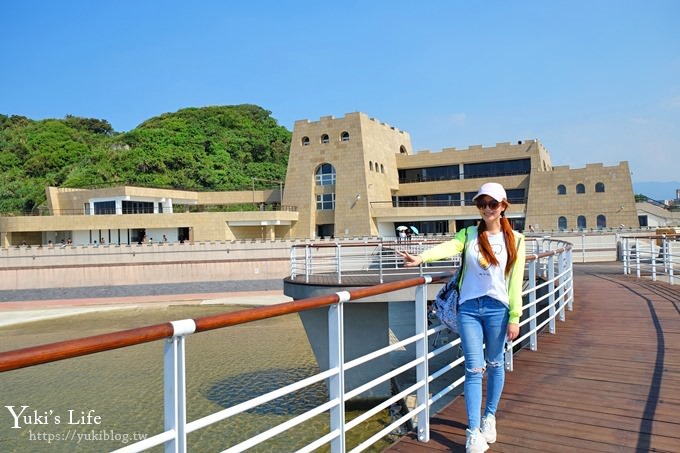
<point>347,177</point>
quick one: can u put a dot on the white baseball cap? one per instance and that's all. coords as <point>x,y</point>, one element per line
<point>492,189</point>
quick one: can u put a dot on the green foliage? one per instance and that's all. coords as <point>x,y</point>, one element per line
<point>210,148</point>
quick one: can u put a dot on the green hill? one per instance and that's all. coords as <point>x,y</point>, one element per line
<point>209,148</point>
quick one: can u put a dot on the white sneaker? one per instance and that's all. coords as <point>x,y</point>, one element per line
<point>489,428</point>
<point>475,442</point>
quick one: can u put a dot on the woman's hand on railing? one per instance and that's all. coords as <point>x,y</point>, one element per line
<point>411,260</point>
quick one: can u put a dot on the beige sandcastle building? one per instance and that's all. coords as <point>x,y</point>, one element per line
<point>347,177</point>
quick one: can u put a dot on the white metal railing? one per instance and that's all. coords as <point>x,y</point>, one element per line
<point>374,259</point>
<point>655,256</point>
<point>547,295</point>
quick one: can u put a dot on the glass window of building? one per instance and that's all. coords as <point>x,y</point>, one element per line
<point>370,165</point>
<point>138,207</point>
<point>467,197</point>
<point>561,189</point>
<point>325,175</point>
<point>402,150</point>
<point>382,168</point>
<point>344,136</point>
<point>104,207</point>
<point>580,188</point>
<point>325,138</point>
<point>562,223</point>
<point>305,141</point>
<point>601,221</point>
<point>599,187</point>
<point>497,168</point>
<point>516,196</point>
<point>443,173</point>
<point>325,202</point>
<point>581,222</point>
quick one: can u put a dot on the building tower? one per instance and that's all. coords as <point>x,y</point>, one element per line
<point>339,169</point>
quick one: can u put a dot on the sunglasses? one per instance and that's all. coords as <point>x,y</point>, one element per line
<point>493,204</point>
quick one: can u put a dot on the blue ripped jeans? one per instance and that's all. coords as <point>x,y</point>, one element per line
<point>480,320</point>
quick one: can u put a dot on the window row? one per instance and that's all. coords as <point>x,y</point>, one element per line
<point>581,222</point>
<point>325,138</point>
<point>380,169</point>
<point>580,188</point>
<point>467,171</point>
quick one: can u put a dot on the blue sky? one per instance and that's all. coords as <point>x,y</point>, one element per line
<point>595,80</point>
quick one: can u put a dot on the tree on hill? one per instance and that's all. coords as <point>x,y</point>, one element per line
<point>210,148</point>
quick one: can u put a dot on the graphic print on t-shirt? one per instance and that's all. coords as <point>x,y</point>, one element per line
<point>483,263</point>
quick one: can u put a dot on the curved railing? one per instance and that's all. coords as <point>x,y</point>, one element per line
<point>548,294</point>
<point>369,258</point>
<point>655,256</point>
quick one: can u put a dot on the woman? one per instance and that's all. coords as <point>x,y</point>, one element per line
<point>490,305</point>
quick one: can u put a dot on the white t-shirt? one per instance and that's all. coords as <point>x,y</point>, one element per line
<point>481,278</point>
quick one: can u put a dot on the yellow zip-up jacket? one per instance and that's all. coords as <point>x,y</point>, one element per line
<point>513,282</point>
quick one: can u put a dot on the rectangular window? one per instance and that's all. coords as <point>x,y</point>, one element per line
<point>325,202</point>
<point>498,168</point>
<point>104,207</point>
<point>137,207</point>
<point>442,173</point>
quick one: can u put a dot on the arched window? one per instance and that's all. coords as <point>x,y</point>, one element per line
<point>344,137</point>
<point>325,139</point>
<point>581,222</point>
<point>599,187</point>
<point>370,165</point>
<point>402,149</point>
<point>325,175</point>
<point>382,168</point>
<point>601,221</point>
<point>305,141</point>
<point>561,189</point>
<point>580,188</point>
<point>562,223</point>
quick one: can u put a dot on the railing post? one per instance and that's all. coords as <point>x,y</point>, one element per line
<point>670,262</point>
<point>561,269</point>
<point>422,369</point>
<point>174,388</point>
<point>583,247</point>
<point>336,360</point>
<point>308,263</point>
<point>338,261</point>
<point>533,338</point>
<point>551,291</point>
<point>637,257</point>
<point>293,263</point>
<point>380,261</point>
<point>625,251</point>
<point>570,265</point>
<point>664,253</point>
<point>652,252</point>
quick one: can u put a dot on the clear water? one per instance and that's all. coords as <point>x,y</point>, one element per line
<point>103,401</point>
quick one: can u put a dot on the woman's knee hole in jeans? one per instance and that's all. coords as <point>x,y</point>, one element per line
<point>476,370</point>
<point>495,364</point>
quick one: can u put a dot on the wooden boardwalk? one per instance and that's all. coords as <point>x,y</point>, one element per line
<point>609,381</point>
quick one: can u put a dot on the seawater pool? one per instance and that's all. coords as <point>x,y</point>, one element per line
<point>104,401</point>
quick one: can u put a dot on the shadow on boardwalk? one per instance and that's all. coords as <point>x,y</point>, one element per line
<point>609,381</point>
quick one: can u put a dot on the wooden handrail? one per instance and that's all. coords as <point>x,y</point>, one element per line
<point>52,352</point>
